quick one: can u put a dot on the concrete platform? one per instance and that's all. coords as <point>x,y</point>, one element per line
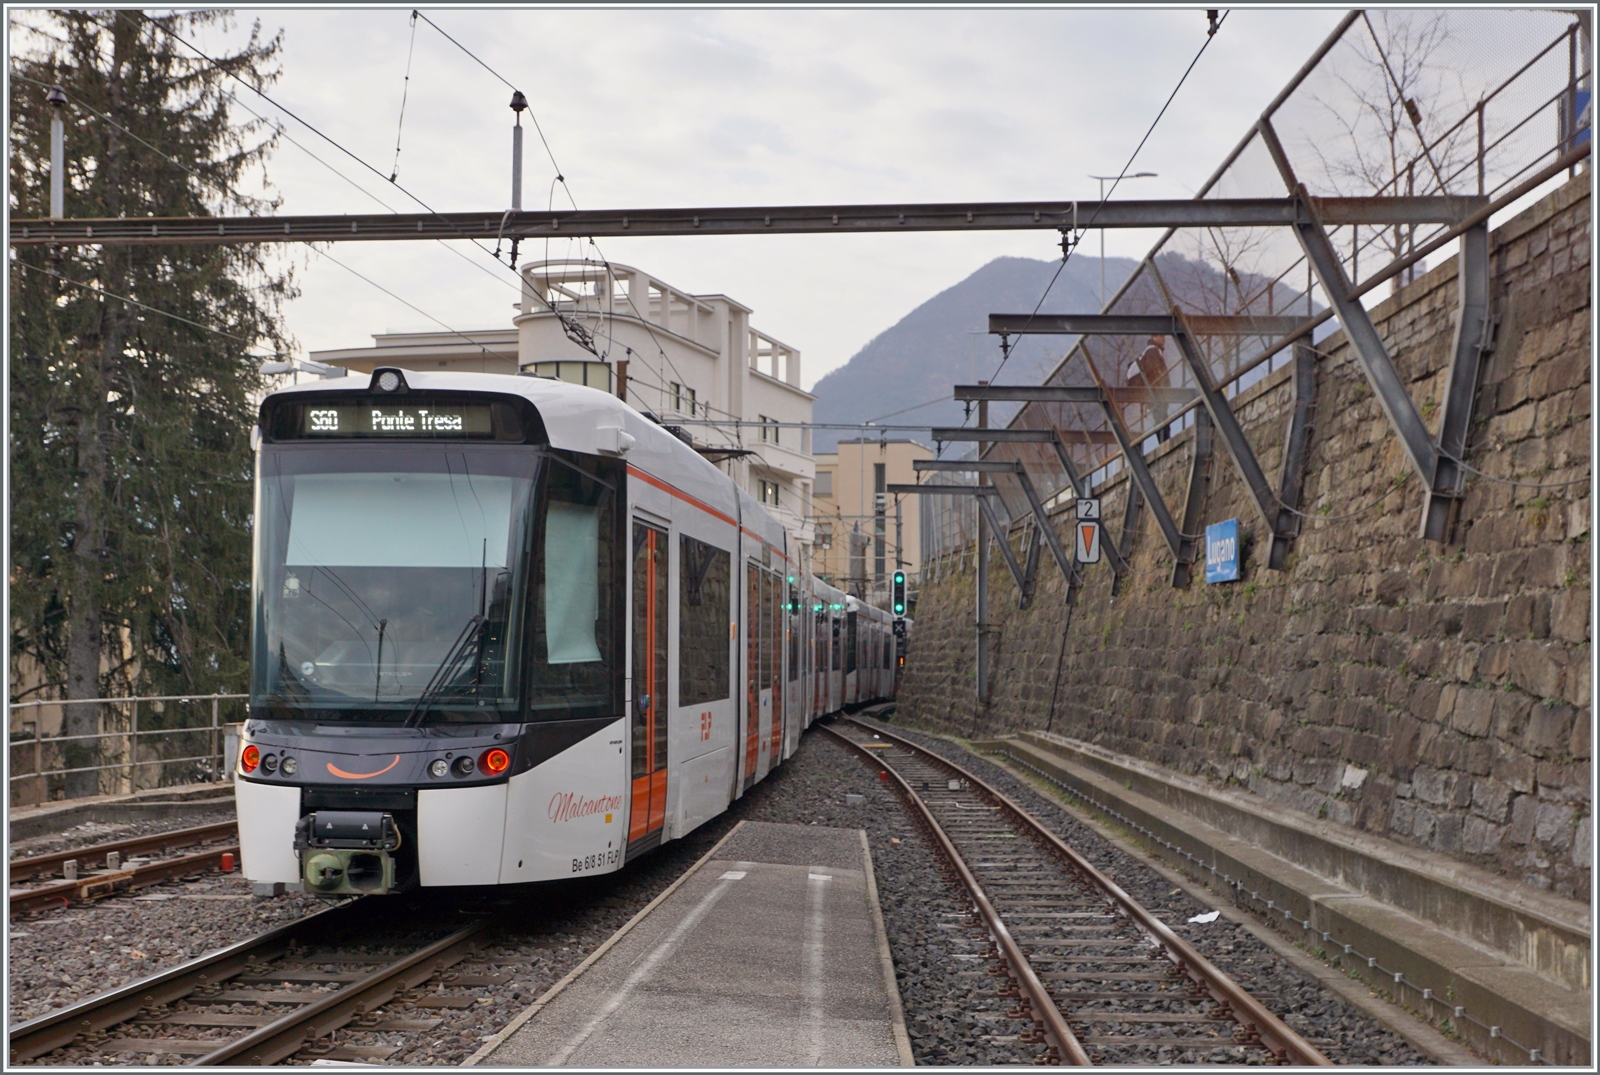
<point>769,952</point>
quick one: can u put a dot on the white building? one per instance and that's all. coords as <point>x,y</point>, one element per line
<point>693,361</point>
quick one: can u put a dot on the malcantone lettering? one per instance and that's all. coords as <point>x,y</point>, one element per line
<point>569,806</point>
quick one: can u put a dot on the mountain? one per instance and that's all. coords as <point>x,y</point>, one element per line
<point>945,342</point>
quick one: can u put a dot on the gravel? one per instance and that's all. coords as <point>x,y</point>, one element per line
<point>99,832</point>
<point>1345,1034</point>
<point>952,1013</point>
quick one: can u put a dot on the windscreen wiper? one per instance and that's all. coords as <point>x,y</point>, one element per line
<point>440,679</point>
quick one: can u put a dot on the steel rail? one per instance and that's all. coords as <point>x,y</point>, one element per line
<point>286,1036</point>
<point>166,841</point>
<point>1041,1006</point>
<point>107,882</point>
<point>1287,1045</point>
<point>53,1030</point>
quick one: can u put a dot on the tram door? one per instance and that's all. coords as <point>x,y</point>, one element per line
<point>763,639</point>
<point>752,679</point>
<point>649,805</point>
<point>778,647</point>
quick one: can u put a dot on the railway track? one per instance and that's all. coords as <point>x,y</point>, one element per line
<point>1100,978</point>
<point>280,995</point>
<point>118,866</point>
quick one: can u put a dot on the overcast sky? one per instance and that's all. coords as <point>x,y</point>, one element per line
<point>662,107</point>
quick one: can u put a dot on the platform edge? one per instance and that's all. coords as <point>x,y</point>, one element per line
<point>897,1012</point>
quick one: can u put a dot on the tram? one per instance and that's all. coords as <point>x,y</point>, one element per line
<point>508,629</point>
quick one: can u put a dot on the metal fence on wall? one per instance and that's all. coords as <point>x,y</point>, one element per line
<point>181,741</point>
<point>1473,104</point>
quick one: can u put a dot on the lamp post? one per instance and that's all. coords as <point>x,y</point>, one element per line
<point>1102,179</point>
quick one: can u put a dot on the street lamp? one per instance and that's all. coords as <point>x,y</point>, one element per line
<point>1103,178</point>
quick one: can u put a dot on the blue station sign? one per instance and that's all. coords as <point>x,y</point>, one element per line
<point>1222,551</point>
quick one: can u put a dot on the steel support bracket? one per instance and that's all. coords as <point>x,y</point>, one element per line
<point>1069,570</point>
<point>1365,342</point>
<point>1180,547</point>
<point>1030,567</point>
<point>1295,448</point>
<point>986,508</point>
<point>1473,339</point>
<point>1130,527</point>
<point>1194,503</point>
<point>1227,424</point>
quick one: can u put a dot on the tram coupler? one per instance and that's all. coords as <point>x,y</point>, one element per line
<point>347,852</point>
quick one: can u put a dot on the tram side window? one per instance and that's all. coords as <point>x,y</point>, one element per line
<point>576,592</point>
<point>850,643</point>
<point>704,578</point>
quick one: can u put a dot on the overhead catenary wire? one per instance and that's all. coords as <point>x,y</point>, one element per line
<point>405,94</point>
<point>224,188</point>
<point>560,177</point>
<point>318,132</point>
<point>1071,247</point>
<point>142,305</point>
<point>313,155</point>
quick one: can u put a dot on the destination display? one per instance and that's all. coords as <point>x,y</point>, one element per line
<point>392,420</point>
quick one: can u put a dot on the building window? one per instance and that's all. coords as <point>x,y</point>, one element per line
<point>683,399</point>
<point>879,477</point>
<point>825,537</point>
<point>769,428</point>
<point>824,485</point>
<point>769,492</point>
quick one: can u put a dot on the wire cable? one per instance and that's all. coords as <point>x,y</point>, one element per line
<point>405,93</point>
<point>560,175</point>
<point>224,188</point>
<point>230,192</point>
<point>143,306</point>
<point>1516,481</point>
<point>1072,247</point>
<point>331,141</point>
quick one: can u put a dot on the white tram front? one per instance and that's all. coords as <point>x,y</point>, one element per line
<point>507,629</point>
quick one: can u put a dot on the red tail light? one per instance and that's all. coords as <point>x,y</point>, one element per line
<point>495,761</point>
<point>250,758</point>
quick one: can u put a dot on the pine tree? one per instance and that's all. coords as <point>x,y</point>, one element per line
<point>130,456</point>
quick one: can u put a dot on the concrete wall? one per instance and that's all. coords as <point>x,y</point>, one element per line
<point>1438,695</point>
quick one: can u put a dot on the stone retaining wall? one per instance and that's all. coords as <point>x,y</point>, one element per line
<point>1439,695</point>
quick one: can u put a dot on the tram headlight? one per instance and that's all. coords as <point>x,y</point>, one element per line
<point>495,761</point>
<point>269,764</point>
<point>388,380</point>
<point>439,767</point>
<point>290,766</point>
<point>464,766</point>
<point>249,758</point>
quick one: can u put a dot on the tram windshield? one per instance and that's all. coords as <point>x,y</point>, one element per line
<point>392,584</point>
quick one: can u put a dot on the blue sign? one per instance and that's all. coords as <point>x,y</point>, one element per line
<point>1222,552</point>
<point>1581,118</point>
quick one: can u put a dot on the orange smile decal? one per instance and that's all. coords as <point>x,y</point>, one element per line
<point>336,771</point>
